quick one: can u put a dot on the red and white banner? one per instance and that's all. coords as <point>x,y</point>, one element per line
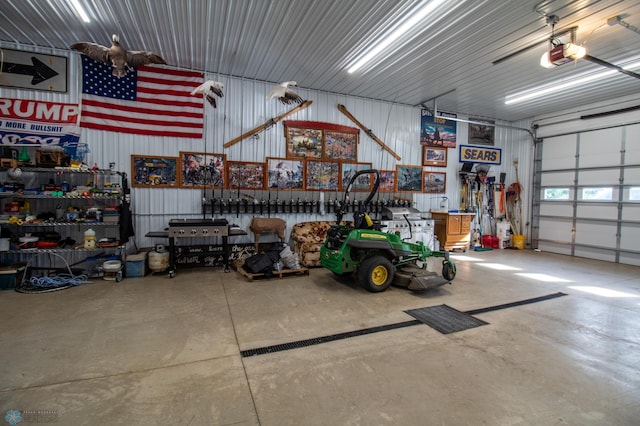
<point>24,122</point>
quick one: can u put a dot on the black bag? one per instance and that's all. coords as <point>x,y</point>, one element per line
<point>258,264</point>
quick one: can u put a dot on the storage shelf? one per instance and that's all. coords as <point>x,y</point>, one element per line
<point>62,250</point>
<point>97,196</point>
<point>58,224</point>
<point>64,170</point>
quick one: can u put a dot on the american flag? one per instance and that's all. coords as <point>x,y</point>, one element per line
<point>147,101</point>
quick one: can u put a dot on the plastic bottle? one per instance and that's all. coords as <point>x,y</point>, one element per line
<point>89,239</point>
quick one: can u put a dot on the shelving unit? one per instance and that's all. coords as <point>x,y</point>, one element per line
<point>61,203</point>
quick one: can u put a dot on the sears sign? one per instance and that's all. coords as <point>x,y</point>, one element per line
<point>480,154</point>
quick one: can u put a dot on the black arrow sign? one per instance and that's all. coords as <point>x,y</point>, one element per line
<point>39,70</point>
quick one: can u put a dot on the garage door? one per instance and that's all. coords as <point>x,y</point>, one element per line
<point>587,197</point>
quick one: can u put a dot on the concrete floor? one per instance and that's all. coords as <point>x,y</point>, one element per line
<point>160,351</point>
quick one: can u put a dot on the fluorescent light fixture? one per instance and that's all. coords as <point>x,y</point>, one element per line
<point>558,87</point>
<point>415,18</point>
<point>78,7</point>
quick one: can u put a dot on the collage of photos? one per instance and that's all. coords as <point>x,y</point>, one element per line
<point>319,157</point>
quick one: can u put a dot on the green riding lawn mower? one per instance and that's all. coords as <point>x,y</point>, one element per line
<point>377,259</point>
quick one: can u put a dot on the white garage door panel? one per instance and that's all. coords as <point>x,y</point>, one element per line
<point>562,179</point>
<point>598,177</point>
<point>603,153</point>
<point>591,253</point>
<point>555,230</point>
<point>608,211</point>
<point>630,237</point>
<point>556,209</point>
<point>559,152</point>
<point>631,212</point>
<point>600,148</point>
<point>630,259</point>
<point>554,248</point>
<point>632,174</point>
<point>603,235</point>
<point>632,144</point>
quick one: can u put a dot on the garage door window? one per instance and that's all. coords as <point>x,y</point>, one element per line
<point>597,194</point>
<point>551,194</point>
<point>634,193</point>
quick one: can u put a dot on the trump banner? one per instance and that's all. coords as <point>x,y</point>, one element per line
<point>24,122</point>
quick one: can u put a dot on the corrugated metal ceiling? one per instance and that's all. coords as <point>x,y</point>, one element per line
<point>448,57</point>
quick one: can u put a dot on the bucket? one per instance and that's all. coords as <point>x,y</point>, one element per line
<point>489,241</point>
<point>503,230</point>
<point>504,243</point>
<point>518,241</point>
<point>158,261</point>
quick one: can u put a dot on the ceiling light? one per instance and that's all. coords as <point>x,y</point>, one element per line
<point>415,18</point>
<point>557,87</point>
<point>78,7</point>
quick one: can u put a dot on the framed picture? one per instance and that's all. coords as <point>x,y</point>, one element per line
<point>322,175</point>
<point>155,172</point>
<point>303,143</point>
<point>340,145</point>
<point>285,173</point>
<point>387,181</point>
<point>362,183</point>
<point>434,182</point>
<point>245,175</point>
<point>409,178</point>
<point>432,156</point>
<point>481,134</point>
<point>200,170</point>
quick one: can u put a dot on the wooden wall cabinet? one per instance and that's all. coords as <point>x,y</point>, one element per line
<point>453,230</point>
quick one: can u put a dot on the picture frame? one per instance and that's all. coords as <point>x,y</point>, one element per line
<point>303,142</point>
<point>481,134</point>
<point>362,183</point>
<point>434,182</point>
<point>154,171</point>
<point>340,145</point>
<point>202,170</point>
<point>285,173</point>
<point>322,175</point>
<point>245,175</point>
<point>387,181</point>
<point>408,178</point>
<point>432,156</point>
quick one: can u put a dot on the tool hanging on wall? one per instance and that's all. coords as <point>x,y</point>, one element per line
<point>267,124</point>
<point>368,131</point>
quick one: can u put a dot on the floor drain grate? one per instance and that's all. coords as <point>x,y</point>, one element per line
<point>325,339</point>
<point>442,318</point>
<point>445,319</point>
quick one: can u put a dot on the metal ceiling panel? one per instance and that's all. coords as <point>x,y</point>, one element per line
<point>446,60</point>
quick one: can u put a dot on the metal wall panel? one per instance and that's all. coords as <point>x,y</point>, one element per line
<point>245,106</point>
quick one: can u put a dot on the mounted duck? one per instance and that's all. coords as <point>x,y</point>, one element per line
<point>120,58</point>
<point>208,89</point>
<point>284,94</point>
